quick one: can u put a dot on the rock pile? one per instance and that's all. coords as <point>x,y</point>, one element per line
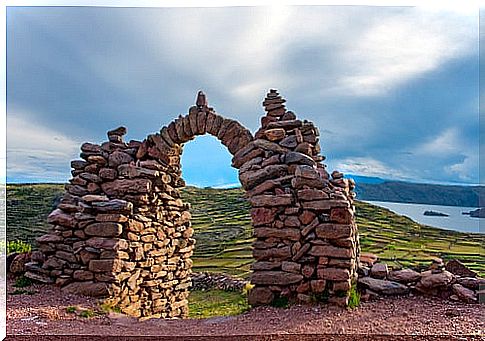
<point>435,281</point>
<point>122,231</point>
<point>220,281</point>
<point>306,239</point>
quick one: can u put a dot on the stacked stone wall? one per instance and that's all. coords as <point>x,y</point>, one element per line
<point>306,238</point>
<point>121,230</point>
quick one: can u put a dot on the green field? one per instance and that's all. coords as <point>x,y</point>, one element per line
<point>223,230</point>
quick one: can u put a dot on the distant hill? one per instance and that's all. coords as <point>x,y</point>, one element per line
<point>406,192</point>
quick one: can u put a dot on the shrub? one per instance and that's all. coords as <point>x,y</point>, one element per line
<point>22,282</point>
<point>18,246</point>
<point>87,313</point>
<point>71,309</point>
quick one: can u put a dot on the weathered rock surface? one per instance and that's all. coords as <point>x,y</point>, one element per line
<point>384,287</point>
<point>404,276</point>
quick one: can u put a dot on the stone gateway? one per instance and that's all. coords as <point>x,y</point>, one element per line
<point>121,230</point>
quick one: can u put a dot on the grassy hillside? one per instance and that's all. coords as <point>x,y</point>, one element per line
<point>406,192</point>
<point>223,230</point>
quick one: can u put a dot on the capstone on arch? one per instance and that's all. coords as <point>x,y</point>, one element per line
<point>122,231</point>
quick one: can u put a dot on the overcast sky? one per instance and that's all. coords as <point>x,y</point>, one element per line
<point>394,91</point>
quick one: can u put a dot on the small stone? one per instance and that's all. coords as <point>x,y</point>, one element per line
<point>87,289</point>
<point>368,258</point>
<point>299,158</point>
<point>458,268</point>
<point>430,280</point>
<point>260,296</point>
<point>262,215</point>
<point>337,175</point>
<point>18,263</point>
<point>464,294</point>
<point>39,277</point>
<point>333,274</point>
<point>275,134</point>
<point>289,142</point>
<point>104,229</point>
<point>318,285</point>
<point>271,200</point>
<point>105,265</point>
<point>291,267</point>
<point>275,278</point>
<point>379,270</point>
<point>404,276</point>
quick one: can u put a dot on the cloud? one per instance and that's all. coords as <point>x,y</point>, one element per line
<point>446,143</point>
<point>405,45</point>
<point>37,152</point>
<point>368,166</point>
<point>385,81</point>
<point>467,170</point>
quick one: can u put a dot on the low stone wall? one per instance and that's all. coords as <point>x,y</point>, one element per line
<point>122,231</point>
<point>452,281</point>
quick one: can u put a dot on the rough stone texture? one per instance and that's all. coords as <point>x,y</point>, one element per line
<point>458,268</point>
<point>404,276</point>
<point>379,270</point>
<point>122,230</point>
<point>384,287</point>
<point>464,294</point>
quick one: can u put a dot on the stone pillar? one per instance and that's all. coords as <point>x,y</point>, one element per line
<point>306,238</point>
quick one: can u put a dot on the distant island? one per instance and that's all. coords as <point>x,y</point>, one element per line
<point>478,213</point>
<point>435,214</point>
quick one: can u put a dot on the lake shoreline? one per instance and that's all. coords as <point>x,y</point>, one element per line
<point>455,219</point>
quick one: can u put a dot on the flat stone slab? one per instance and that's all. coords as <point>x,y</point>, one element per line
<point>383,287</point>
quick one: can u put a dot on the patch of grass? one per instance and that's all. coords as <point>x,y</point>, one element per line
<point>22,282</point>
<point>71,309</point>
<point>354,297</point>
<point>210,303</point>
<point>18,246</point>
<point>87,313</point>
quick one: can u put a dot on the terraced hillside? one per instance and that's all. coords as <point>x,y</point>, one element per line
<point>223,230</point>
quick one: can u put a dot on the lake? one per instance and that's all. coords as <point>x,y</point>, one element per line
<point>455,221</point>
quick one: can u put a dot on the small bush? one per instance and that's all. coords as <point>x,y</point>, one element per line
<point>87,313</point>
<point>22,282</point>
<point>71,309</point>
<point>354,297</point>
<point>18,246</point>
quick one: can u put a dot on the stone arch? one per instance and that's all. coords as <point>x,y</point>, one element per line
<point>121,229</point>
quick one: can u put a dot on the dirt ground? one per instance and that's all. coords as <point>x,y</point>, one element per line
<point>44,313</point>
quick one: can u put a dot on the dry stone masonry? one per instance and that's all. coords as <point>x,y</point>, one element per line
<point>121,230</point>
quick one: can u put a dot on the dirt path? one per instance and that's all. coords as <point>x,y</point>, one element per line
<point>44,312</point>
